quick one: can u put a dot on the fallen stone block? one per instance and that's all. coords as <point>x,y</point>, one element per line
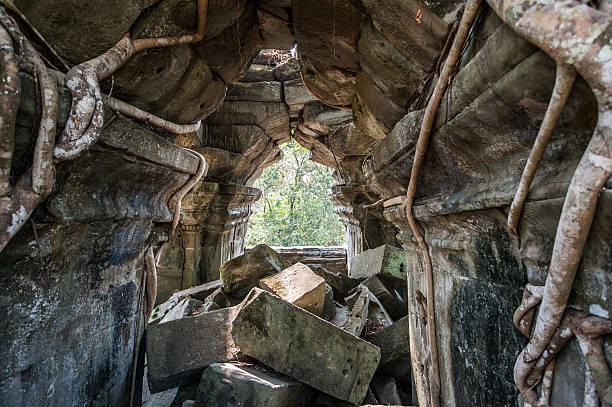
<point>299,344</point>
<point>386,390</point>
<point>199,292</point>
<point>340,317</point>
<point>389,298</point>
<point>329,306</point>
<point>242,273</point>
<point>216,300</point>
<point>298,285</point>
<point>228,385</point>
<point>359,303</point>
<point>178,351</point>
<point>183,309</point>
<point>393,341</point>
<point>340,283</point>
<point>377,313</point>
<point>388,262</point>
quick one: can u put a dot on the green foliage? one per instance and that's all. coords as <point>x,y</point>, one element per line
<point>295,209</point>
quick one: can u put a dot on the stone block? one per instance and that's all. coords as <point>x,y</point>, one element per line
<point>393,341</point>
<point>288,70</point>
<point>242,273</point>
<point>388,297</point>
<point>329,306</point>
<point>386,261</point>
<point>255,91</point>
<point>216,300</point>
<point>199,292</point>
<point>183,309</point>
<point>301,345</point>
<point>298,285</point>
<point>296,93</point>
<point>229,385</point>
<point>359,303</point>
<point>386,390</point>
<point>258,72</point>
<point>340,283</point>
<point>178,351</point>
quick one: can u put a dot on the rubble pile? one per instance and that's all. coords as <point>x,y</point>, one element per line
<point>273,334</point>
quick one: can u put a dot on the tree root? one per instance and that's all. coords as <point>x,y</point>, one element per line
<point>419,155</point>
<point>176,200</point>
<point>523,316</point>
<point>35,185</point>
<point>566,76</point>
<point>10,93</point>
<point>84,124</point>
<point>135,113</point>
<point>574,34</point>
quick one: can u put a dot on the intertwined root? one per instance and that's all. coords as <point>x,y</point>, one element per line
<point>18,202</point>
<point>588,329</point>
<point>84,124</point>
<point>575,35</point>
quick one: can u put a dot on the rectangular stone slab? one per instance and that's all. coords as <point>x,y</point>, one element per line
<point>179,351</point>
<point>305,347</point>
<point>227,384</point>
<point>386,261</point>
<point>298,285</point>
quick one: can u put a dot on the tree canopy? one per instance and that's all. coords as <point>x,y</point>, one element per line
<point>295,209</point>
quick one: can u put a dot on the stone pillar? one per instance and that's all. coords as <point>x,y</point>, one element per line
<point>365,229</point>
<point>212,230</point>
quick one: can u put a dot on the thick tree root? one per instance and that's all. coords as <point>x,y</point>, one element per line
<point>19,202</point>
<point>135,113</point>
<point>419,155</point>
<point>563,86</point>
<point>574,34</point>
<point>10,93</point>
<point>588,329</point>
<point>84,124</point>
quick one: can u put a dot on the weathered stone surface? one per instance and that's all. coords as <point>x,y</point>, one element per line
<point>298,285</point>
<point>288,70</point>
<point>199,292</point>
<point>179,351</point>
<point>377,312</point>
<point>275,29</point>
<point>216,300</point>
<point>329,307</point>
<point>386,390</point>
<point>296,93</point>
<point>390,299</point>
<point>183,309</point>
<point>332,258</point>
<point>242,273</point>
<point>303,346</point>
<point>258,72</point>
<point>386,261</point>
<point>393,341</point>
<point>406,34</point>
<point>341,283</point>
<point>229,385</point>
<point>359,304</point>
<point>255,91</point>
<point>336,86</point>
